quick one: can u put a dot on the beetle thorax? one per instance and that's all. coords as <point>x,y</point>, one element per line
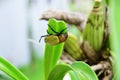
<point>63,37</point>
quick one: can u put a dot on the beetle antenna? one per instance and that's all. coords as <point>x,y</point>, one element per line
<point>42,37</point>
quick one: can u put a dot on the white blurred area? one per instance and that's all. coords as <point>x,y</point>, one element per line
<point>13,33</point>
<point>15,19</point>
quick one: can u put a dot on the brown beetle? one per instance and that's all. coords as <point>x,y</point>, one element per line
<point>56,38</point>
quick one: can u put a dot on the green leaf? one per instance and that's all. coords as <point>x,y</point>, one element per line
<point>57,26</point>
<point>59,72</point>
<point>9,69</point>
<point>85,70</point>
<point>62,26</point>
<point>115,37</point>
<point>77,71</point>
<point>75,75</point>
<point>53,24</point>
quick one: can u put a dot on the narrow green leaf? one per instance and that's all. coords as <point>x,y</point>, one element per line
<point>9,69</point>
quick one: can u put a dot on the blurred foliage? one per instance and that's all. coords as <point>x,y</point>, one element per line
<point>74,30</point>
<point>35,72</point>
<point>5,77</point>
<point>107,2</point>
<point>115,37</point>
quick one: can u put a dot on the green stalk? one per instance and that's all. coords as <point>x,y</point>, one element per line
<point>53,52</point>
<point>12,71</point>
<point>52,55</point>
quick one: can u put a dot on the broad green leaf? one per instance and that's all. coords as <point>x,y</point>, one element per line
<point>75,75</point>
<point>59,72</point>
<point>9,69</point>
<point>77,71</point>
<point>85,70</point>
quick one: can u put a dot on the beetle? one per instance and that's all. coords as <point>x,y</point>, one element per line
<point>56,38</point>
